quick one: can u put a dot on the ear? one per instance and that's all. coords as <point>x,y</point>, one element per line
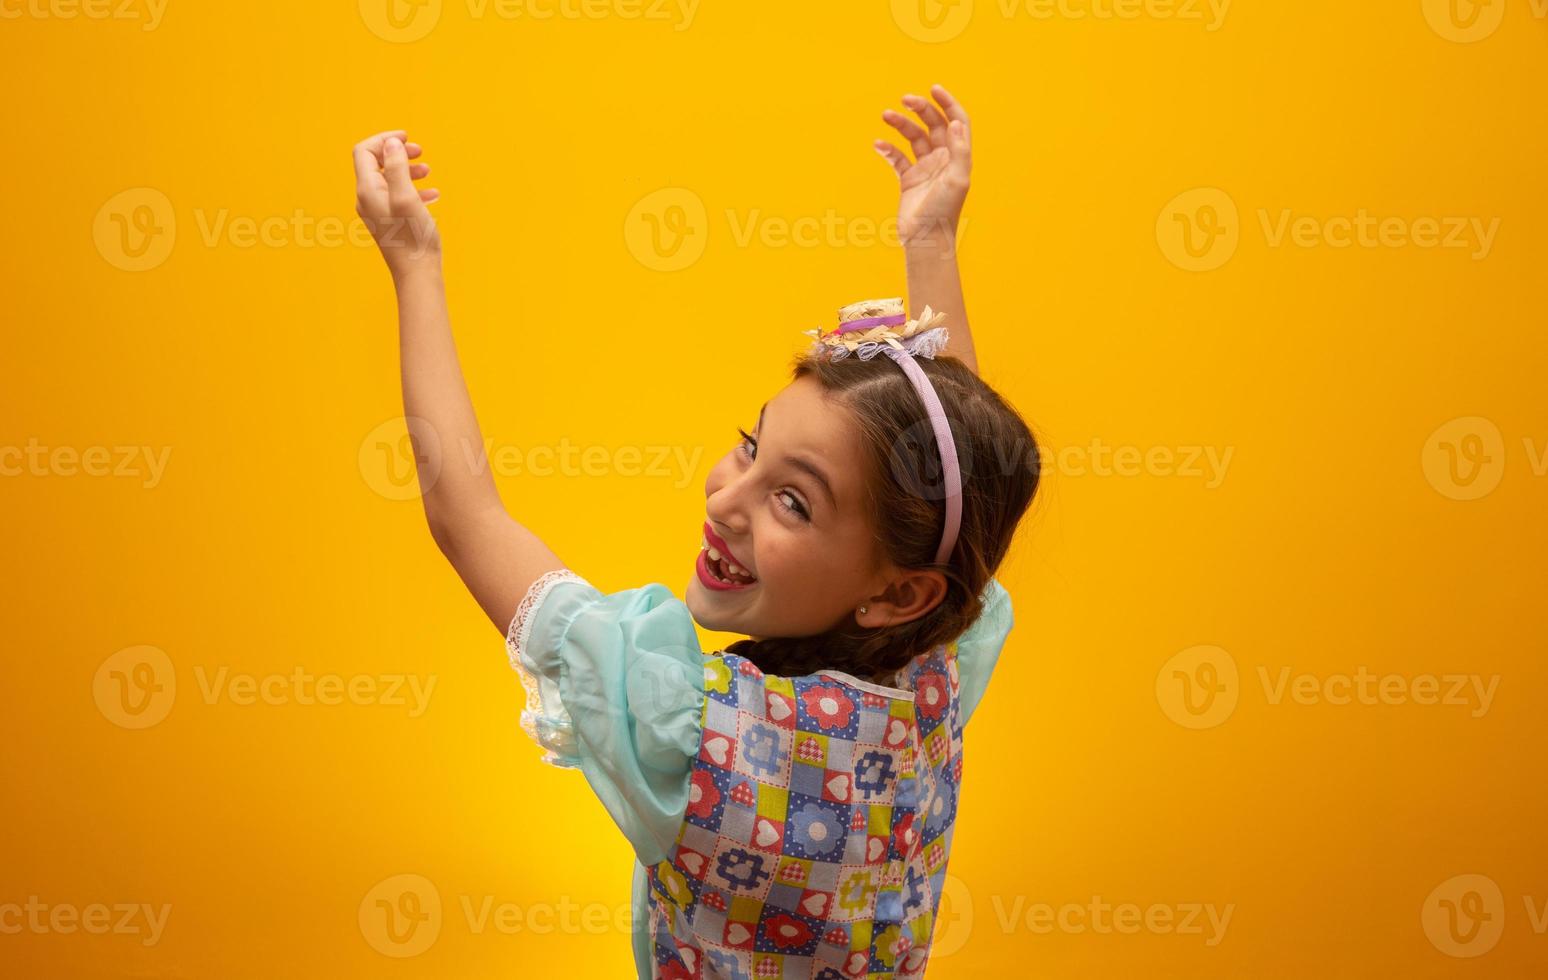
<point>910,594</point>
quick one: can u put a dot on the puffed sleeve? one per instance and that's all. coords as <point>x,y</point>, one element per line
<point>615,688</point>
<point>978,648</point>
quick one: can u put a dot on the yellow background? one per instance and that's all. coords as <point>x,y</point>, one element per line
<point>1335,541</point>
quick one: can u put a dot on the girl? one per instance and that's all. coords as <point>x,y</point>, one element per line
<point>791,798</point>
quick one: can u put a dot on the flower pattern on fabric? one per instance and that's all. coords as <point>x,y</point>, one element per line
<point>818,827</point>
<point>829,705</point>
<point>702,795</point>
<point>933,695</point>
<point>761,751</point>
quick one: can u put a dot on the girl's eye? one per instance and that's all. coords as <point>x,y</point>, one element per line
<point>748,448</point>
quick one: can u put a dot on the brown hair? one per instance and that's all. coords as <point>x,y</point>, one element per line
<point>998,457</point>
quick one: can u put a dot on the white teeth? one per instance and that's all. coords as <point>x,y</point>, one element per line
<point>733,569</point>
<point>714,555</point>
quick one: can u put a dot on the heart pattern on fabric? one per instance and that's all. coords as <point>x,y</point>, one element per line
<point>766,835</point>
<point>871,778</point>
<point>778,709</point>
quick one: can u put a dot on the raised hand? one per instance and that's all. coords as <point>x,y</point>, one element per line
<point>934,185</point>
<point>392,207</point>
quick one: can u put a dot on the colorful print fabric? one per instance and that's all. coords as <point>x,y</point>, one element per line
<point>818,825</point>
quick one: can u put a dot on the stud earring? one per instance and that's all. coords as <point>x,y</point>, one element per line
<point>862,610</point>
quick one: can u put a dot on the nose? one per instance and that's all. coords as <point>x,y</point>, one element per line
<point>723,500</point>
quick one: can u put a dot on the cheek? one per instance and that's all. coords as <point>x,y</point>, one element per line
<point>797,562</point>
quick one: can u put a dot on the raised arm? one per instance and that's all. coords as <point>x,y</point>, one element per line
<point>496,557</point>
<point>932,189</point>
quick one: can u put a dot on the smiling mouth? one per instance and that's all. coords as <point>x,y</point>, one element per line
<point>721,566</point>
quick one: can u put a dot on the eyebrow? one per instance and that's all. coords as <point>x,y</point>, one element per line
<point>805,465</point>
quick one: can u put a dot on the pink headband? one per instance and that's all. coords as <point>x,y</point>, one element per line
<point>924,337</point>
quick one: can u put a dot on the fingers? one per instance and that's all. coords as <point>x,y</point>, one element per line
<point>419,171</point>
<point>892,155</point>
<point>368,159</point>
<point>911,131</point>
<point>400,185</point>
<point>961,144</point>
<point>926,110</point>
<point>368,152</point>
<point>949,102</point>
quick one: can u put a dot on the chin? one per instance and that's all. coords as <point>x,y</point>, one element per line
<point>706,613</point>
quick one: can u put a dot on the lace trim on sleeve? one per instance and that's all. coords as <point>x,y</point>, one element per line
<point>547,724</point>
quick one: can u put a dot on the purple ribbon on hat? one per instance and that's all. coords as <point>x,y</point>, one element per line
<point>896,320</point>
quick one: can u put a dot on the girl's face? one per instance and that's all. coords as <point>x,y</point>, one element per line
<point>787,503</point>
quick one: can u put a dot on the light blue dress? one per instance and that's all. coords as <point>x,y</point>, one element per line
<point>615,685</point>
